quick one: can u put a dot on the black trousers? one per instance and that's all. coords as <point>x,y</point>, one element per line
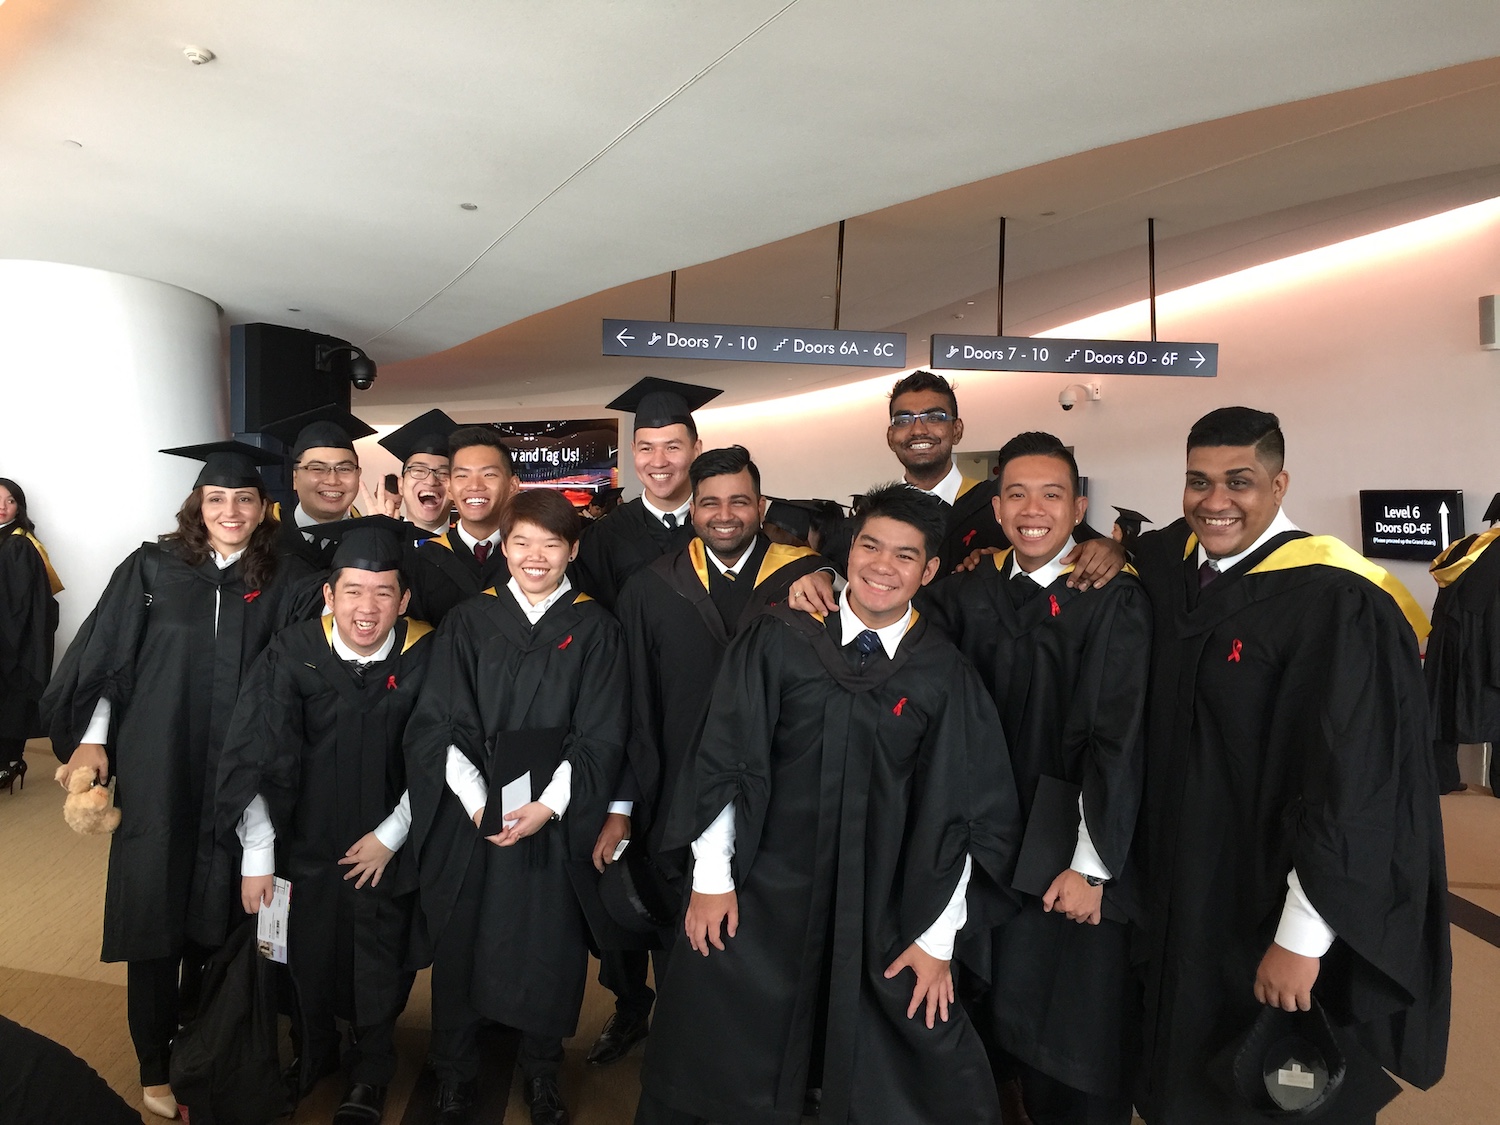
<point>159,994</point>
<point>623,972</point>
<point>1445,756</point>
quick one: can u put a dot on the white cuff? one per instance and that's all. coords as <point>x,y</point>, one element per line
<point>395,828</point>
<point>98,728</point>
<point>559,792</point>
<point>939,938</point>
<point>1086,859</point>
<point>712,852</point>
<point>257,839</point>
<point>466,781</point>
<point>624,808</point>
<point>1302,929</point>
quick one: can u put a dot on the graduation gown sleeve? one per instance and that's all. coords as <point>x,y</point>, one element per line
<point>28,618</point>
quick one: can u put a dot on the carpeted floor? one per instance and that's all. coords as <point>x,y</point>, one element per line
<point>51,904</point>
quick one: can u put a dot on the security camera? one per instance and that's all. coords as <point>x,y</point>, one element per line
<point>1075,393</point>
<point>346,359</point>
<point>362,373</point>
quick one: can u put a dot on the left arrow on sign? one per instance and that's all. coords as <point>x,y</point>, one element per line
<point>624,337</point>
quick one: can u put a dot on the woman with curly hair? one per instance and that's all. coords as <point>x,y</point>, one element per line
<point>28,619</point>
<point>144,694</point>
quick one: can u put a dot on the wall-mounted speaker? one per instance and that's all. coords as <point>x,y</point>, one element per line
<point>272,375</point>
<point>1487,324</point>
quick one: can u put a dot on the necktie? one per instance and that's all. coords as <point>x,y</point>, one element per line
<point>670,519</point>
<point>1207,572</point>
<point>867,642</point>
<point>357,668</point>
<point>481,553</point>
<point>730,576</point>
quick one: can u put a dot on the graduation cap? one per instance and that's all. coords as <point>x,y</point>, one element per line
<point>1492,513</point>
<point>227,464</point>
<point>372,543</point>
<point>1130,515</point>
<point>330,427</point>
<point>792,516</point>
<point>425,434</point>
<point>661,402</point>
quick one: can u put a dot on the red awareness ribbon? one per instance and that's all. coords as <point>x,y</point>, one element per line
<point>252,595</point>
<point>1056,609</point>
<point>390,683</point>
<point>969,538</point>
<point>1234,652</point>
<point>567,642</point>
<point>900,703</point>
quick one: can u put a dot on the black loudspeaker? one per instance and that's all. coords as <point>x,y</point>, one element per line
<point>272,375</point>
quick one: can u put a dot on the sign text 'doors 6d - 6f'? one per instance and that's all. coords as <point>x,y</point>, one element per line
<point>1410,524</point>
<point>747,343</point>
<point>1074,357</point>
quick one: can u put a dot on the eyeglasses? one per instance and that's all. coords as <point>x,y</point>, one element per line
<point>342,470</point>
<point>422,472</point>
<point>904,418</point>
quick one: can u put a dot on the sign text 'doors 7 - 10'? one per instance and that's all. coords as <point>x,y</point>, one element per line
<point>1410,524</point>
<point>1074,357</point>
<point>747,343</point>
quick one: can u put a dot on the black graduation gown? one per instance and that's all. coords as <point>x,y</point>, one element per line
<point>292,544</point>
<point>675,635</point>
<point>1287,727</point>
<point>1067,670</point>
<point>857,794</point>
<point>28,623</point>
<point>1463,653</point>
<point>492,672</point>
<point>971,525</point>
<point>444,572</point>
<point>324,749</point>
<point>151,648</point>
<point>618,545</point>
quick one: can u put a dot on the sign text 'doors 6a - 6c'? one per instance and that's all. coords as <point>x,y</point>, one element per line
<point>748,343</point>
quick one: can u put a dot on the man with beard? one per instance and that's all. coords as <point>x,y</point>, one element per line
<point>466,560</point>
<point>679,614</point>
<point>851,802</point>
<point>663,445</point>
<point>325,477</point>
<point>1293,845</point>
<point>422,447</point>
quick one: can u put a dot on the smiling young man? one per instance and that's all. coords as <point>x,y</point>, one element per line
<point>466,560</point>
<point>850,803</point>
<point>325,477</point>
<point>679,614</point>
<point>1294,847</point>
<point>663,445</point>
<point>1067,671</point>
<point>422,446</point>
<point>312,785</point>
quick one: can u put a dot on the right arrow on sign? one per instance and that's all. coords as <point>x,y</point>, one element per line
<point>1443,519</point>
<point>1197,358</point>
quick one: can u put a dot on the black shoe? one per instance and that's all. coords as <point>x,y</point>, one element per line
<point>545,1100</point>
<point>812,1102</point>
<point>297,1085</point>
<point>363,1104</point>
<point>619,1035</point>
<point>455,1101</point>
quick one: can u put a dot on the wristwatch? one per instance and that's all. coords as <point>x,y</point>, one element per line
<point>1094,880</point>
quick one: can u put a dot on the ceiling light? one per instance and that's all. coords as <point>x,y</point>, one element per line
<point>469,206</point>
<point>293,310</point>
<point>1048,214</point>
<point>198,55</point>
<point>75,144</point>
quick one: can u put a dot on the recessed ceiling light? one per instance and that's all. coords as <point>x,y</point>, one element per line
<point>968,302</point>
<point>469,206</point>
<point>1048,214</point>
<point>293,310</point>
<point>827,296</point>
<point>75,144</point>
<point>958,316</point>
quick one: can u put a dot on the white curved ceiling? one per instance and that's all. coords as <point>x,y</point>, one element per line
<point>319,163</point>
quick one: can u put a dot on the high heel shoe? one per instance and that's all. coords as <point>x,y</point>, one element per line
<point>160,1100</point>
<point>10,774</point>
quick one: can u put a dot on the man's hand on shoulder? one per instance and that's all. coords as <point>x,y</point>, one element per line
<point>813,593</point>
<point>1095,562</point>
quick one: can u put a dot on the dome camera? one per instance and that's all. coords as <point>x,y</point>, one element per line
<point>362,373</point>
<point>1075,393</point>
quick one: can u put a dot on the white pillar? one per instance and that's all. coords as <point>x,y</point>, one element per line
<point>98,371</point>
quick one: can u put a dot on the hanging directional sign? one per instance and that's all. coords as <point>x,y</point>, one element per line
<point>1410,524</point>
<point>745,343</point>
<point>1074,357</point>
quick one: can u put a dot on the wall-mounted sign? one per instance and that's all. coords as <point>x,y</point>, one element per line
<point>745,343</point>
<point>1409,524</point>
<point>1074,357</point>
<point>577,457</point>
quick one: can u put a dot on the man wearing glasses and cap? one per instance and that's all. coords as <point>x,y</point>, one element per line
<point>325,477</point>
<point>422,448</point>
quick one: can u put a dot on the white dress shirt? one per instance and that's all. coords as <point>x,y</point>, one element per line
<point>681,513</point>
<point>469,541</point>
<point>946,489</point>
<point>463,775</point>
<point>714,849</point>
<point>258,835</point>
<point>734,567</point>
<point>1301,929</point>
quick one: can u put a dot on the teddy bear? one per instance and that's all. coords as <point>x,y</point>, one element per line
<point>87,810</point>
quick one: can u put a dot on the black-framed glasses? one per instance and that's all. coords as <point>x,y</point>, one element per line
<point>343,470</point>
<point>904,418</point>
<point>422,472</point>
